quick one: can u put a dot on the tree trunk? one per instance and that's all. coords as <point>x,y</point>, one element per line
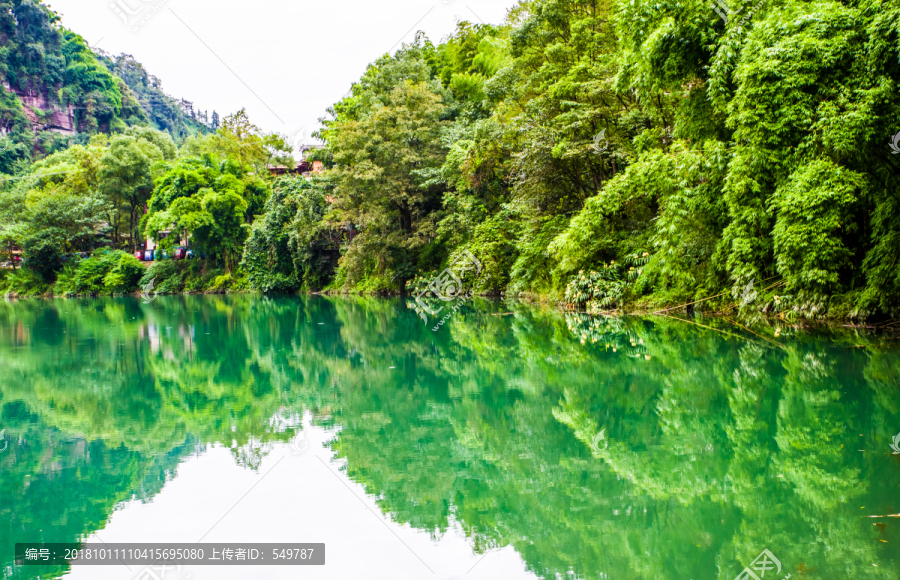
<point>131,228</point>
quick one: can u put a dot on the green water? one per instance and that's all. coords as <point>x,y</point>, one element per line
<point>558,445</point>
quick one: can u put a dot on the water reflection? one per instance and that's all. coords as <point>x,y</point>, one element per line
<point>595,447</point>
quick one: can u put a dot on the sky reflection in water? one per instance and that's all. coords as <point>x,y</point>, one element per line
<point>569,446</point>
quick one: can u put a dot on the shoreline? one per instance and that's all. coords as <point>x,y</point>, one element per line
<point>889,325</point>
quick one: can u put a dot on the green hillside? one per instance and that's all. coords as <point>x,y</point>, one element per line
<point>56,91</point>
<point>608,156</point>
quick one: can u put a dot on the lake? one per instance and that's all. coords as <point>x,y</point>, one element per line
<point>513,442</point>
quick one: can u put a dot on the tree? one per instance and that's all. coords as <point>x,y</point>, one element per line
<point>12,229</point>
<point>386,147</point>
<point>286,248</point>
<point>247,145</point>
<point>58,208</point>
<point>126,178</point>
<point>202,200</point>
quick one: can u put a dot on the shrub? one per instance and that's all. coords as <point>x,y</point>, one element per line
<point>267,254</point>
<point>22,282</point>
<point>607,288</point>
<point>113,271</point>
<point>126,273</point>
<point>816,214</point>
<point>43,257</point>
<point>166,275</point>
<point>219,284</point>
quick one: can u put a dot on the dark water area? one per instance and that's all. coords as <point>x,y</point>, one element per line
<point>514,442</point>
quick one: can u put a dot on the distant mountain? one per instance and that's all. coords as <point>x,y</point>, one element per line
<point>55,90</point>
<point>166,113</point>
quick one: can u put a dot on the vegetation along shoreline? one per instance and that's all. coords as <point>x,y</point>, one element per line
<point>570,152</point>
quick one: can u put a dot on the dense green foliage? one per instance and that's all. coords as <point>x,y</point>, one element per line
<point>210,202</point>
<point>38,56</point>
<point>108,272</point>
<point>386,148</point>
<point>290,247</point>
<point>42,60</point>
<point>578,134</point>
<point>81,198</point>
<point>745,163</point>
<point>115,192</point>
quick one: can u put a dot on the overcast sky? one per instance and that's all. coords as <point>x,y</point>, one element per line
<point>284,60</point>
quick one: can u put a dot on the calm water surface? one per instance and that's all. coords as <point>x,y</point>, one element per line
<point>512,443</point>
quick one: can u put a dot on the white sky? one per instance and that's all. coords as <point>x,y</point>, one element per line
<point>299,502</point>
<point>298,57</point>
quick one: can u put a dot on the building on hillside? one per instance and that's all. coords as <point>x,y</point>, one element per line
<point>304,168</point>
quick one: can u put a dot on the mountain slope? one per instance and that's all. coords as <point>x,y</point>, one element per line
<point>165,113</point>
<point>55,91</point>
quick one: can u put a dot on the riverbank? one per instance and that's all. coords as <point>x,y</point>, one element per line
<point>733,313</point>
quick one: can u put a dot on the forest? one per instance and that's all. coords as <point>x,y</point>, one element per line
<point>606,156</point>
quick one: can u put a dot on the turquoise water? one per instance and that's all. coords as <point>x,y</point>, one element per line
<point>515,442</point>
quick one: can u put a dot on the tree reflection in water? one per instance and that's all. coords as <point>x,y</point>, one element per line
<point>608,447</point>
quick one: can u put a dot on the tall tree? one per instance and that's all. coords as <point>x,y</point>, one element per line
<point>386,147</point>
<point>126,178</point>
